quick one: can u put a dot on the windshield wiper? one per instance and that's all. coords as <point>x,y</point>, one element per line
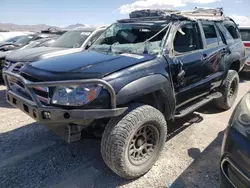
<point>148,40</point>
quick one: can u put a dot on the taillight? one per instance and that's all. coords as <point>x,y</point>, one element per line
<point>248,63</point>
<point>247,45</point>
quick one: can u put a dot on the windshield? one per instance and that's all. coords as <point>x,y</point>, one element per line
<point>14,39</point>
<point>25,40</point>
<point>71,39</point>
<point>131,37</point>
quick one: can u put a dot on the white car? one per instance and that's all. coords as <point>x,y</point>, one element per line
<point>10,34</point>
<point>245,35</point>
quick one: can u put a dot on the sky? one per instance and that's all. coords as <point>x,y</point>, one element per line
<point>98,12</point>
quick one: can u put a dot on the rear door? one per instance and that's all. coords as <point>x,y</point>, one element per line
<point>214,53</point>
<point>245,35</point>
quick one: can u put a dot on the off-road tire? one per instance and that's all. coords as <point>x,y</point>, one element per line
<point>119,132</point>
<point>227,100</point>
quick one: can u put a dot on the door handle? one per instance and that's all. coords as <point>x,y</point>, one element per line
<point>224,50</point>
<point>204,56</point>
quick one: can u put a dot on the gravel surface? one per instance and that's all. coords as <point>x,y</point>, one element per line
<point>32,156</point>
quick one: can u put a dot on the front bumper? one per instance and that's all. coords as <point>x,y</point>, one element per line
<point>235,167</point>
<point>54,115</point>
<point>58,115</point>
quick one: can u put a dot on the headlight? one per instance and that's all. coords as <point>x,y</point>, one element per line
<point>75,95</point>
<point>241,117</point>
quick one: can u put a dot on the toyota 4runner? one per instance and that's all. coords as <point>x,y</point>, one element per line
<point>141,72</point>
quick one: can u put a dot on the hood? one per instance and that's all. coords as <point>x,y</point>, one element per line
<point>4,54</point>
<point>35,54</point>
<point>90,62</point>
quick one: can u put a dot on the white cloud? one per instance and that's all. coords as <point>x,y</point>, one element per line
<point>239,1</point>
<point>159,4</point>
<point>241,20</point>
<point>200,1</point>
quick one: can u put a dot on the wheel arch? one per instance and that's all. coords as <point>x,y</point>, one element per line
<point>234,61</point>
<point>154,90</point>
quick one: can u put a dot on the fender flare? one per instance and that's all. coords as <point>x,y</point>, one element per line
<point>234,56</point>
<point>146,85</point>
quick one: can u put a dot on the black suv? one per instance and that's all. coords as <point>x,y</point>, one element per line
<point>141,72</point>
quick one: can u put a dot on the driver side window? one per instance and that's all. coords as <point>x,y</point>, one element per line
<point>187,39</point>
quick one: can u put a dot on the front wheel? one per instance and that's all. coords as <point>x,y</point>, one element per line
<point>229,91</point>
<point>131,144</point>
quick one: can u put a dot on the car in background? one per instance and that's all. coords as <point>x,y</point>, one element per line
<point>23,41</point>
<point>76,40</point>
<point>33,44</point>
<point>235,159</point>
<point>5,35</point>
<point>11,40</point>
<point>40,42</point>
<point>245,35</point>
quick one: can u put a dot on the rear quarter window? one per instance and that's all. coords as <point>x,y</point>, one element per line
<point>232,29</point>
<point>245,34</point>
<point>227,36</point>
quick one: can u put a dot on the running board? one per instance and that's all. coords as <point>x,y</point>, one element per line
<point>185,111</point>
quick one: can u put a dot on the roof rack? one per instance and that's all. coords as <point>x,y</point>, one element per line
<point>215,14</point>
<point>53,31</point>
<point>205,13</point>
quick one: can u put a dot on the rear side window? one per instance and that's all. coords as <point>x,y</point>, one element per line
<point>245,34</point>
<point>225,32</point>
<point>210,34</point>
<point>232,29</point>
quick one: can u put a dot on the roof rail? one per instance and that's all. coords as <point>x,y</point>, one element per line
<point>54,31</point>
<point>153,18</point>
<point>208,11</point>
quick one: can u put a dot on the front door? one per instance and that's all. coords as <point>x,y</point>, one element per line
<point>188,69</point>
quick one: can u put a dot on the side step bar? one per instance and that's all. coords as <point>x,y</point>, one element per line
<point>185,111</point>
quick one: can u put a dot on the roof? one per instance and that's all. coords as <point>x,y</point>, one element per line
<point>160,14</point>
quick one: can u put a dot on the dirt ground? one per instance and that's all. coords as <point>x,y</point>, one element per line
<point>32,156</point>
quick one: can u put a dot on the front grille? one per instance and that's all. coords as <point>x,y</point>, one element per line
<point>42,93</point>
<point>8,64</point>
<point>17,68</point>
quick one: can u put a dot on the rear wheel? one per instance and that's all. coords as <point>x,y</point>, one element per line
<point>229,91</point>
<point>132,143</point>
